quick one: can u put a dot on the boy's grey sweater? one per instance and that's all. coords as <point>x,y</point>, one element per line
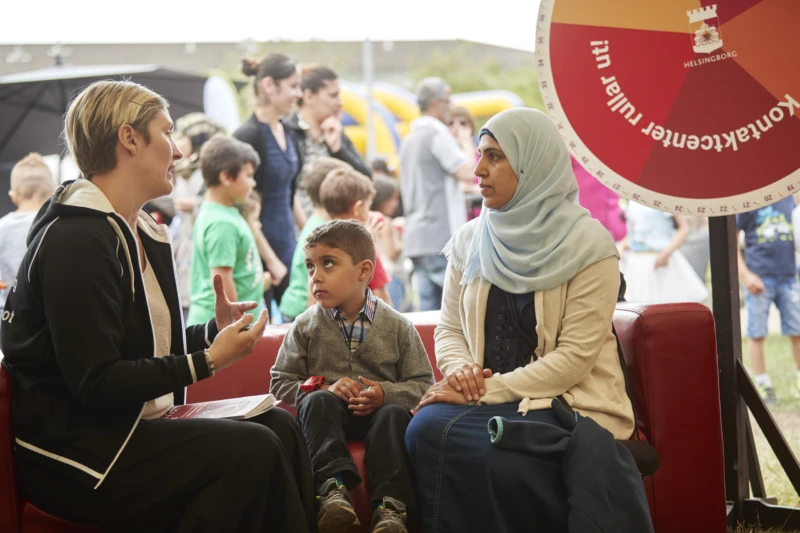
<point>392,354</point>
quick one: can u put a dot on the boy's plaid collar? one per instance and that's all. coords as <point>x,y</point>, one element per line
<point>368,310</point>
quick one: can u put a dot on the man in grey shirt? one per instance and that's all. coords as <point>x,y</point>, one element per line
<point>31,185</point>
<point>432,163</point>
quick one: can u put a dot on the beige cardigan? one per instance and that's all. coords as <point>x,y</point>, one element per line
<point>577,351</point>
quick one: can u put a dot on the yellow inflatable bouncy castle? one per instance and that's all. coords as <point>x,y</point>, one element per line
<point>355,107</point>
<point>486,104</point>
<point>395,108</point>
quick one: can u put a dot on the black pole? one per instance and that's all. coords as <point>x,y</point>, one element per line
<point>768,425</point>
<point>725,292</point>
<point>756,479</point>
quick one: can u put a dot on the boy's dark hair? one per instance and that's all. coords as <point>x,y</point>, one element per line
<point>347,235</point>
<point>384,189</point>
<point>225,154</point>
<point>315,174</point>
<point>342,188</point>
<point>382,165</point>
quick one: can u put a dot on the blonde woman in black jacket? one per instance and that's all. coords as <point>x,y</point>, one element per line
<point>93,317</point>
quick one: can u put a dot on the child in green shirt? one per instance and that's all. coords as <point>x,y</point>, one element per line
<point>296,299</point>
<point>222,239</point>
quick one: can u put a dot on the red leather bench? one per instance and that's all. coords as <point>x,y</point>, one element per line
<point>670,351</point>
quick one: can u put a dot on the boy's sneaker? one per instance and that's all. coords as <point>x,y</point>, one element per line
<point>768,394</point>
<point>389,517</point>
<point>336,513</point>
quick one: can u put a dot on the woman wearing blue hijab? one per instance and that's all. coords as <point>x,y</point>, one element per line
<point>529,295</point>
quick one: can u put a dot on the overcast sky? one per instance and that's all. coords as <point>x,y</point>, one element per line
<point>502,22</point>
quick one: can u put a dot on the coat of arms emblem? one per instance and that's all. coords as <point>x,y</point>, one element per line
<point>705,29</point>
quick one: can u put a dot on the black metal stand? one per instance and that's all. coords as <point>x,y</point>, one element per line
<point>738,393</point>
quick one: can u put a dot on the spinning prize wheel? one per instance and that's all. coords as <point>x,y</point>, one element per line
<point>685,105</point>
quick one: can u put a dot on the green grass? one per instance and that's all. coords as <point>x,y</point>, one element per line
<point>742,529</point>
<point>783,372</point>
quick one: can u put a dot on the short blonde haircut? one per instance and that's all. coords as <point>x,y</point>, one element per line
<point>31,178</point>
<point>95,116</point>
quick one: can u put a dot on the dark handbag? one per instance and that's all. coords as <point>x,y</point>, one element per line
<point>644,454</point>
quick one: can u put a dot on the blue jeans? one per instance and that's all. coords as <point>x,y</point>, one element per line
<point>428,277</point>
<point>397,293</point>
<point>785,294</point>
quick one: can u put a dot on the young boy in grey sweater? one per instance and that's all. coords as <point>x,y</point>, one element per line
<point>375,371</point>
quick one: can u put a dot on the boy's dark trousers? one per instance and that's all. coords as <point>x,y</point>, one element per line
<point>328,424</point>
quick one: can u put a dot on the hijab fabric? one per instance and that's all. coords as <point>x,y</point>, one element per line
<point>540,238</point>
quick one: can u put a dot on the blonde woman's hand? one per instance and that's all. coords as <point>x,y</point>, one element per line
<point>235,341</point>
<point>225,311</point>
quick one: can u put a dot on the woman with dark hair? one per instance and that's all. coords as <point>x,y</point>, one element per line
<point>277,88</point>
<point>317,130</point>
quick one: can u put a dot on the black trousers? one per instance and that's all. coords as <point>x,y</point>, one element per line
<point>192,475</point>
<point>327,425</point>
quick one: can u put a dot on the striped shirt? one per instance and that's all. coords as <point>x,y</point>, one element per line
<point>355,332</point>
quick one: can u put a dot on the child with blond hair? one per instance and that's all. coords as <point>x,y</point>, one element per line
<point>32,184</point>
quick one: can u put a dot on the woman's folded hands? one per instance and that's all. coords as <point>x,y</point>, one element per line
<point>460,386</point>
